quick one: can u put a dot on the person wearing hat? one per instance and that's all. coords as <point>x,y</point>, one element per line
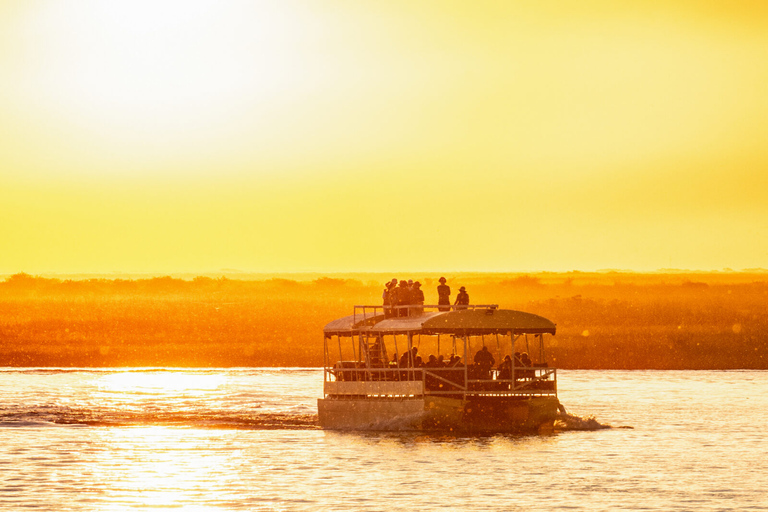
<point>462,299</point>
<point>443,295</point>
<point>392,297</point>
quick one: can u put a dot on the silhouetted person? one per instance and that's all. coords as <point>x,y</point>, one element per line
<point>394,298</point>
<point>526,362</point>
<point>485,361</point>
<point>417,298</point>
<point>387,297</point>
<point>505,368</point>
<point>462,299</point>
<point>408,358</point>
<point>443,295</point>
<point>403,298</point>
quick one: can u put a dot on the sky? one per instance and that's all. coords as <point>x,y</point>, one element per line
<point>344,136</point>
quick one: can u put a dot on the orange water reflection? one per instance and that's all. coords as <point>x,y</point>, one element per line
<point>166,467</point>
<point>161,383</point>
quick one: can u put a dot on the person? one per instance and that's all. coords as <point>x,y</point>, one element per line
<point>417,298</point>
<point>429,380</point>
<point>485,361</point>
<point>443,295</point>
<point>526,360</point>
<point>387,299</point>
<point>403,298</point>
<point>392,296</point>
<point>408,358</point>
<point>505,368</point>
<point>462,299</point>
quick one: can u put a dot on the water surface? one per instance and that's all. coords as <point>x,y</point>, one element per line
<point>247,439</point>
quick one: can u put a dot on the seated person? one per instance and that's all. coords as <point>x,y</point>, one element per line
<point>505,368</point>
<point>484,361</point>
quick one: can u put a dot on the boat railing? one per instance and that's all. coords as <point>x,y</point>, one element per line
<point>454,380</point>
<point>410,310</point>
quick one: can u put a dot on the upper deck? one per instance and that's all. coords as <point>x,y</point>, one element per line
<point>473,320</point>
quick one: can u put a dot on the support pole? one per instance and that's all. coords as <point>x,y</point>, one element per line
<point>325,358</point>
<point>410,356</point>
<point>466,367</point>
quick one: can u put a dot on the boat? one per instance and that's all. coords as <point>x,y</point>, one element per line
<point>365,389</point>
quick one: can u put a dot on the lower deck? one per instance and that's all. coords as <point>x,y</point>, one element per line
<point>476,414</point>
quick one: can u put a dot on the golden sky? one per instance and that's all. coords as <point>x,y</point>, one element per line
<point>195,135</point>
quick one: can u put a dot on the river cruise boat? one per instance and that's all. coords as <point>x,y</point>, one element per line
<point>439,368</point>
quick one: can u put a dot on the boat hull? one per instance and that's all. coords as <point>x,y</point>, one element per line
<point>481,414</point>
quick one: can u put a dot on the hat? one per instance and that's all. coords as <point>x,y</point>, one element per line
<point>462,289</point>
<point>442,279</point>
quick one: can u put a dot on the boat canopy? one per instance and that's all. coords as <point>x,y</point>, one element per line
<point>471,322</point>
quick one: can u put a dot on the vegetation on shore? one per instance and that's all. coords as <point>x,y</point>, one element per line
<point>611,320</point>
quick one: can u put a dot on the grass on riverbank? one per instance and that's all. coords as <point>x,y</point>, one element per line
<point>605,320</point>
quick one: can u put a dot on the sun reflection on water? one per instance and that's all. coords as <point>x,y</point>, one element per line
<point>164,467</point>
<point>161,382</point>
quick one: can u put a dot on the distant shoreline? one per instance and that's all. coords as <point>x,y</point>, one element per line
<point>622,321</point>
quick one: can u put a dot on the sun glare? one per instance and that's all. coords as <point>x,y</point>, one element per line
<point>160,383</point>
<point>195,135</point>
<point>158,82</point>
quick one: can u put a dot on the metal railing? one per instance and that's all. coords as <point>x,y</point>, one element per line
<point>411,310</point>
<point>451,381</point>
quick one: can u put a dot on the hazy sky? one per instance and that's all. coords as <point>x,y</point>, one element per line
<point>196,135</point>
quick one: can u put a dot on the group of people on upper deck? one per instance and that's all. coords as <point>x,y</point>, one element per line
<point>405,298</point>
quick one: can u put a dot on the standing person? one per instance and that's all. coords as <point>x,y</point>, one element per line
<point>443,295</point>
<point>386,299</point>
<point>394,296</point>
<point>403,298</point>
<point>462,299</point>
<point>417,298</point>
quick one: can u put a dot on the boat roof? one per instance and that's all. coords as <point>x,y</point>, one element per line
<point>460,322</point>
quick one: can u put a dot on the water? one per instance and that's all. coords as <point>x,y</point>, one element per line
<point>247,439</point>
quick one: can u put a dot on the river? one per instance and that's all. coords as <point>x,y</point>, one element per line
<point>247,439</point>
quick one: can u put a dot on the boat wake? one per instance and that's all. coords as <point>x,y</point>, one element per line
<point>252,420</point>
<point>566,422</point>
